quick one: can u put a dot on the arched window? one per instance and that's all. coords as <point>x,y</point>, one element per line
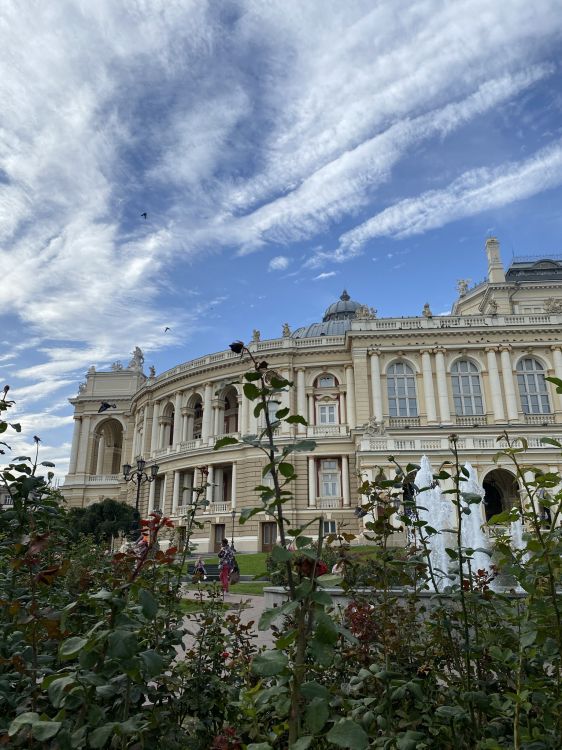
<point>401,385</point>
<point>532,386</point>
<point>197,420</point>
<point>467,392</point>
<point>325,381</point>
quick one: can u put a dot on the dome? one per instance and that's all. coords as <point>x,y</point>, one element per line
<point>344,309</point>
<point>329,328</point>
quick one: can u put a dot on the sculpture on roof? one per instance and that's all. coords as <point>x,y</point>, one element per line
<point>286,330</point>
<point>151,371</point>
<point>493,307</point>
<point>426,312</point>
<point>462,286</point>
<point>553,305</point>
<point>116,366</point>
<point>256,335</point>
<point>137,360</point>
<point>364,312</point>
<point>374,427</point>
<point>81,387</point>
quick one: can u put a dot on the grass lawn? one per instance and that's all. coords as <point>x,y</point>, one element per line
<point>194,605</point>
<point>250,564</point>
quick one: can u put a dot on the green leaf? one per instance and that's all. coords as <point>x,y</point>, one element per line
<point>248,513</point>
<point>99,737</point>
<point>286,469</point>
<point>259,746</point>
<point>71,647</point>
<point>44,730</point>
<point>29,717</point>
<point>270,615</point>
<point>252,375</point>
<point>269,663</point>
<point>304,446</point>
<point>57,689</point>
<point>321,597</point>
<point>221,442</point>
<point>148,603</point>
<point>314,690</point>
<point>122,644</point>
<point>551,441</point>
<point>282,413</point>
<point>303,743</point>
<point>251,391</point>
<point>316,714</point>
<point>410,740</point>
<point>280,554</point>
<point>527,639</point>
<point>347,733</point>
<point>258,409</point>
<point>16,426</point>
<point>276,382</point>
<point>296,419</point>
<point>450,712</point>
<point>49,464</point>
<point>153,662</point>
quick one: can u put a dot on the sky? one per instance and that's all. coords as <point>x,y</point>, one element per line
<point>282,151</point>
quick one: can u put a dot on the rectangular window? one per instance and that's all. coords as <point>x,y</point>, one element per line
<point>327,414</point>
<point>329,527</point>
<point>329,478</point>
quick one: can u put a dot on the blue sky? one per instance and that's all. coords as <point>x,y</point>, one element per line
<point>282,150</point>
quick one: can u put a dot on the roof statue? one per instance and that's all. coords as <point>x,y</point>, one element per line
<point>364,312</point>
<point>426,312</point>
<point>256,335</point>
<point>553,305</point>
<point>151,371</point>
<point>462,286</point>
<point>117,366</point>
<point>493,307</point>
<point>286,330</point>
<point>81,387</point>
<point>137,360</point>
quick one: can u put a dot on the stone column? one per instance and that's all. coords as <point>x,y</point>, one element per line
<point>301,398</point>
<point>83,449</point>
<point>151,494</point>
<point>75,443</point>
<point>233,487</point>
<point>343,409</point>
<point>495,385</point>
<point>101,456</point>
<point>155,427</point>
<point>345,481</point>
<point>162,432</point>
<point>163,490</point>
<point>209,495</point>
<point>176,438</point>
<point>376,389</point>
<point>134,441</point>
<point>184,423</point>
<point>207,413</point>
<point>430,407</point>
<point>508,385</point>
<point>361,378</point>
<point>310,415</point>
<point>557,356</point>
<point>442,392</point>
<point>144,446</point>
<point>350,383</point>
<point>243,412</point>
<point>285,404</point>
<point>311,482</point>
<point>176,495</point>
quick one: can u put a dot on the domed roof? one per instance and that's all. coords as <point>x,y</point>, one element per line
<point>329,328</point>
<point>344,309</point>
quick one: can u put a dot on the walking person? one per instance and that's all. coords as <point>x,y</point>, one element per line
<point>226,564</point>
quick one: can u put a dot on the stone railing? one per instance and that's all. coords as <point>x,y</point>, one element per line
<point>327,430</point>
<point>401,422</point>
<point>540,419</point>
<point>103,478</point>
<point>219,508</point>
<point>328,502</point>
<point>390,445</point>
<point>466,421</point>
<point>190,445</point>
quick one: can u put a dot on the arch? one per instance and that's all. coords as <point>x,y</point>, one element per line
<point>326,379</point>
<point>230,405</point>
<point>401,389</point>
<point>194,414</point>
<point>501,492</point>
<point>108,447</point>
<point>312,376</point>
<point>167,419</point>
<point>533,390</point>
<point>467,388</point>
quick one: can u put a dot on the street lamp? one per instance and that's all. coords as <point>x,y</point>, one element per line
<point>138,476</point>
<point>233,516</point>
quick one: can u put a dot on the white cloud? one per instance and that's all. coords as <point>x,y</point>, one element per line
<point>326,275</point>
<point>279,263</point>
<point>473,192</point>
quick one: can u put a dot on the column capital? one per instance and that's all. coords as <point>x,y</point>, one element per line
<point>491,349</point>
<point>556,347</point>
<point>374,352</point>
<point>426,351</point>
<point>439,350</point>
<point>505,348</point>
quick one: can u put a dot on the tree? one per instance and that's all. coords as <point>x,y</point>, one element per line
<point>103,520</point>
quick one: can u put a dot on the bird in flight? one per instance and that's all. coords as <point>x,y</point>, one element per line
<point>144,215</point>
<point>105,405</point>
<point>167,329</point>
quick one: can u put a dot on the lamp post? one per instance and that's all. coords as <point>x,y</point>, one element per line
<point>233,516</point>
<point>138,476</point>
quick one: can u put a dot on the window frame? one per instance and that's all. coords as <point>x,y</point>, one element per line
<point>401,391</point>
<point>466,388</point>
<point>534,375</point>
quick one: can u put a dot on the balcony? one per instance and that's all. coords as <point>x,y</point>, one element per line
<point>190,445</point>
<point>103,479</point>
<point>327,430</point>
<point>470,421</point>
<point>400,423</point>
<point>217,508</point>
<point>539,419</point>
<point>328,502</point>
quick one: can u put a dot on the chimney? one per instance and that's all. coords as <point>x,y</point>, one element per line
<point>496,273</point>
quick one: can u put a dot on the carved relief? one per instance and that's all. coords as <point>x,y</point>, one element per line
<point>364,312</point>
<point>553,305</point>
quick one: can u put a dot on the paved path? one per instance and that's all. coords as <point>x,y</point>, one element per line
<point>252,608</point>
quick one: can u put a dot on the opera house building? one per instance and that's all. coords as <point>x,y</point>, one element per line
<point>369,387</point>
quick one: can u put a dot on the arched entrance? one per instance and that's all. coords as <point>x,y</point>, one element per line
<point>501,492</point>
<point>108,444</point>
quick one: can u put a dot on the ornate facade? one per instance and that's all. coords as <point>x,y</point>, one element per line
<point>369,387</point>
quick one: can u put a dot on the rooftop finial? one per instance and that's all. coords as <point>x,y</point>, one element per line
<point>345,296</point>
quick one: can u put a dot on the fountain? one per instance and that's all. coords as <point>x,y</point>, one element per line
<point>436,511</point>
<point>472,534</point>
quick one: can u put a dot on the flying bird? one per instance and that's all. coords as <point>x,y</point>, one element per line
<point>105,405</point>
<point>144,215</point>
<point>167,329</point>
